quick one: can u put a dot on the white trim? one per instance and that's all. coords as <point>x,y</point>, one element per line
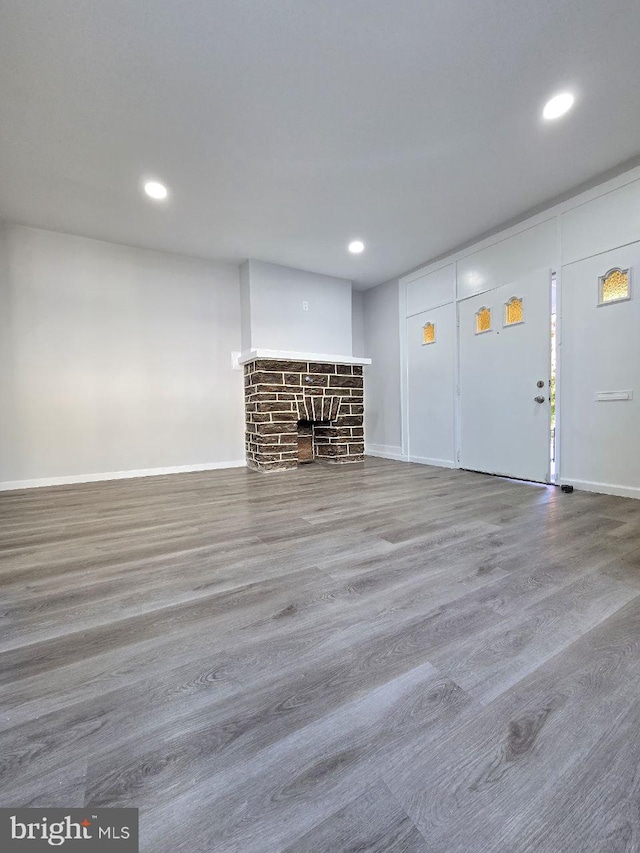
<point>11,485</point>
<point>432,307</point>
<point>437,463</point>
<point>457,430</point>
<point>420,273</point>
<point>557,269</point>
<point>404,366</point>
<point>601,252</point>
<point>284,355</point>
<point>385,451</point>
<point>547,379</point>
<point>602,488</point>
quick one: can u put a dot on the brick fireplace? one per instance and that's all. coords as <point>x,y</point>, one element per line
<point>300,411</point>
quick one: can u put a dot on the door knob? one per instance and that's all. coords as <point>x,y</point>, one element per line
<point>539,399</point>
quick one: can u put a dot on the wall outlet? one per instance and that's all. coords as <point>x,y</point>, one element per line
<point>305,305</point>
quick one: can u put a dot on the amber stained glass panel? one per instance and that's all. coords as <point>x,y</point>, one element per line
<point>483,320</point>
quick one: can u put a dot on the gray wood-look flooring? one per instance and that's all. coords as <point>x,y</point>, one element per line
<point>384,657</point>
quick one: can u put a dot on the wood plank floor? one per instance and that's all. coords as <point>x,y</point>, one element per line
<point>385,657</point>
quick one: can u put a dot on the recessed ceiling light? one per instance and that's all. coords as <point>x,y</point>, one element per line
<point>558,105</point>
<point>356,246</point>
<point>156,190</point>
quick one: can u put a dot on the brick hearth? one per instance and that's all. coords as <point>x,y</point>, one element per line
<point>280,395</point>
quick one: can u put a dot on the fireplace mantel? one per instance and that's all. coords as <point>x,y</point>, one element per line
<point>282,355</point>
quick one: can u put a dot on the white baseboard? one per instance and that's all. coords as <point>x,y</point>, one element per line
<point>602,488</point>
<point>437,463</point>
<point>11,485</point>
<point>385,451</point>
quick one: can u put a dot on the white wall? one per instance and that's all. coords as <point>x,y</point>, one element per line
<point>357,324</point>
<point>383,424</point>
<point>114,359</point>
<point>245,306</point>
<point>279,321</point>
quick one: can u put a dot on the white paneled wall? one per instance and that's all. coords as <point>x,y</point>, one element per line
<point>602,223</point>
<point>599,347</point>
<point>508,260</point>
<point>432,405</point>
<point>431,290</point>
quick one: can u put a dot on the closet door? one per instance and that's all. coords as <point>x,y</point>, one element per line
<point>431,386</point>
<point>600,372</point>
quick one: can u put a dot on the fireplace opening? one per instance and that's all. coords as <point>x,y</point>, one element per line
<point>306,440</point>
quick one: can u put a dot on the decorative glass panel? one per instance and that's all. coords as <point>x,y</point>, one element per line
<point>614,286</point>
<point>483,320</point>
<point>513,312</point>
<point>428,334</point>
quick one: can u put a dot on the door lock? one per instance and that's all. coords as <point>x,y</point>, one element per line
<point>540,383</point>
<point>539,399</point>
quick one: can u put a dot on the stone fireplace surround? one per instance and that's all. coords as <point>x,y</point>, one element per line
<point>283,397</point>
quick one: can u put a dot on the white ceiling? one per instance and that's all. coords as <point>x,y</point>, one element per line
<point>285,128</point>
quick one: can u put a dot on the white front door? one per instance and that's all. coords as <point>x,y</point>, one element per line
<point>505,363</point>
<point>430,387</point>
